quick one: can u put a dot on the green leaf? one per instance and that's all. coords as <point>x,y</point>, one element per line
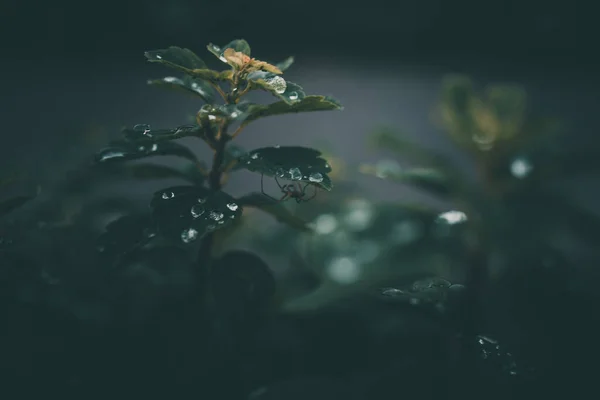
<point>176,57</point>
<point>126,234</point>
<point>148,171</point>
<point>289,92</point>
<point>239,45</point>
<point>186,84</point>
<point>428,179</point>
<point>186,213</point>
<point>285,64</point>
<point>143,133</point>
<point>295,163</point>
<point>276,209</point>
<point>309,103</point>
<point>120,151</point>
<point>8,205</point>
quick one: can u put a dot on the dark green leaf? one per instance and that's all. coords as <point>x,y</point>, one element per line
<point>239,45</point>
<point>295,163</point>
<point>176,57</point>
<point>143,133</point>
<point>289,92</point>
<point>187,84</point>
<point>276,209</point>
<point>149,171</point>
<point>309,103</point>
<point>285,64</point>
<point>126,234</point>
<point>120,151</point>
<point>9,205</point>
<point>186,213</point>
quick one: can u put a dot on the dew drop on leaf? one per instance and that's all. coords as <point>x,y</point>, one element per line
<point>316,177</point>
<point>109,154</point>
<point>168,195</point>
<point>189,235</point>
<point>215,215</point>
<point>197,210</point>
<point>277,83</point>
<point>201,200</point>
<point>295,174</point>
<point>232,206</point>
<point>293,96</point>
<point>154,147</point>
<point>254,156</point>
<point>144,129</point>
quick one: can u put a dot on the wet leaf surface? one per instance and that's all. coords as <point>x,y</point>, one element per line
<point>120,151</point>
<point>186,213</point>
<point>143,133</point>
<point>294,163</point>
<point>188,85</point>
<point>274,208</point>
<point>239,45</point>
<point>176,57</point>
<point>307,104</point>
<point>287,91</point>
<point>126,234</point>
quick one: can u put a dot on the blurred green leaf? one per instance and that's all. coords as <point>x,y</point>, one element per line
<point>387,139</point>
<point>294,163</point>
<point>276,209</point>
<point>186,84</point>
<point>126,234</point>
<point>8,205</point>
<point>285,64</point>
<point>309,103</point>
<point>427,179</point>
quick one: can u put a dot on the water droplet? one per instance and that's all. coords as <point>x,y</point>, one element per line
<point>293,96</point>
<point>277,83</point>
<point>201,200</point>
<point>254,156</point>
<point>520,168</point>
<point>159,57</point>
<point>144,129</point>
<point>197,210</point>
<point>109,154</point>
<point>280,173</point>
<point>212,117</point>
<point>277,146</point>
<point>168,195</point>
<point>170,79</point>
<point>232,206</point>
<point>210,228</point>
<point>223,59</point>
<point>452,217</point>
<point>295,174</point>
<point>343,270</point>
<point>216,215</point>
<point>325,224</point>
<point>393,292</point>
<point>154,147</point>
<point>316,177</point>
<point>141,148</point>
<point>234,114</point>
<point>359,216</point>
<point>189,235</point>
